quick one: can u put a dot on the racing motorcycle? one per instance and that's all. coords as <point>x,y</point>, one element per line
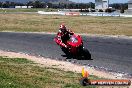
<point>75,47</point>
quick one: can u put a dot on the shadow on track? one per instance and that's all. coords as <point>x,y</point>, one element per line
<point>68,56</point>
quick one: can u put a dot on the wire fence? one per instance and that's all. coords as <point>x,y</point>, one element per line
<point>100,14</point>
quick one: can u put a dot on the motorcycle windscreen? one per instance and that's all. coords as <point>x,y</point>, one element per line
<point>74,41</point>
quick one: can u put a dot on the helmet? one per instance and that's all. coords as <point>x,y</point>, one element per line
<point>62,26</point>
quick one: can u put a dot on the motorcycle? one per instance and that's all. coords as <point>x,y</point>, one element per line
<point>75,47</point>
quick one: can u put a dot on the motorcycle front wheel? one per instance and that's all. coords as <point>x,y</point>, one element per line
<point>86,54</point>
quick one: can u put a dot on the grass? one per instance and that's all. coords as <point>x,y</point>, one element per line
<point>26,10</point>
<point>78,24</point>
<point>22,73</point>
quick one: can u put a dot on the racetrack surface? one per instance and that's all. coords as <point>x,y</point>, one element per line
<point>114,54</point>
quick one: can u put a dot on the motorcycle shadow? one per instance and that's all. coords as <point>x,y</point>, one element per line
<point>76,57</point>
<point>83,55</point>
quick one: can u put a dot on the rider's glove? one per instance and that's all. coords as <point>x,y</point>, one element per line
<point>65,46</point>
<point>71,33</point>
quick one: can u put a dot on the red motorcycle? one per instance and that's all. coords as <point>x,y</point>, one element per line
<point>75,47</point>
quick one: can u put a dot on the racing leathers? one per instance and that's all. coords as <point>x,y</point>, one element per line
<point>63,36</point>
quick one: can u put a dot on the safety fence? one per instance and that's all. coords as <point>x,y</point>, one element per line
<point>100,14</point>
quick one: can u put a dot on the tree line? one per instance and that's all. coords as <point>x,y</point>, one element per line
<point>39,4</point>
<point>119,6</point>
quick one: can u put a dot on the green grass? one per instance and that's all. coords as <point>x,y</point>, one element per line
<point>78,24</point>
<point>26,10</point>
<point>22,73</point>
<point>15,60</point>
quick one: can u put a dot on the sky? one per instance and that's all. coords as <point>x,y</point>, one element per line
<point>111,1</point>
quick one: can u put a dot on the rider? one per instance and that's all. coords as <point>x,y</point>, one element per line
<point>63,35</point>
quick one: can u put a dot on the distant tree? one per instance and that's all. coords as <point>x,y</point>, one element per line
<point>126,6</point>
<point>116,6</point>
<point>77,6</point>
<point>108,10</point>
<point>100,10</point>
<point>59,5</point>
<point>92,5</point>
<point>50,5</point>
<point>30,3</point>
<point>83,6</point>
<point>12,3</point>
<point>71,6</point>
<point>38,4</point>
<point>6,4</point>
<point>0,4</point>
<point>87,5</point>
<point>122,11</point>
<point>122,8</point>
<point>119,6</point>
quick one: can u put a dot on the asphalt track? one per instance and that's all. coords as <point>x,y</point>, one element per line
<point>112,54</point>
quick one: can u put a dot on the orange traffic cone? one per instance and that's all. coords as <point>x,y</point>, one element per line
<point>84,73</point>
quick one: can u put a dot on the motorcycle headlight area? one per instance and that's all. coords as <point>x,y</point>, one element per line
<point>74,40</point>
